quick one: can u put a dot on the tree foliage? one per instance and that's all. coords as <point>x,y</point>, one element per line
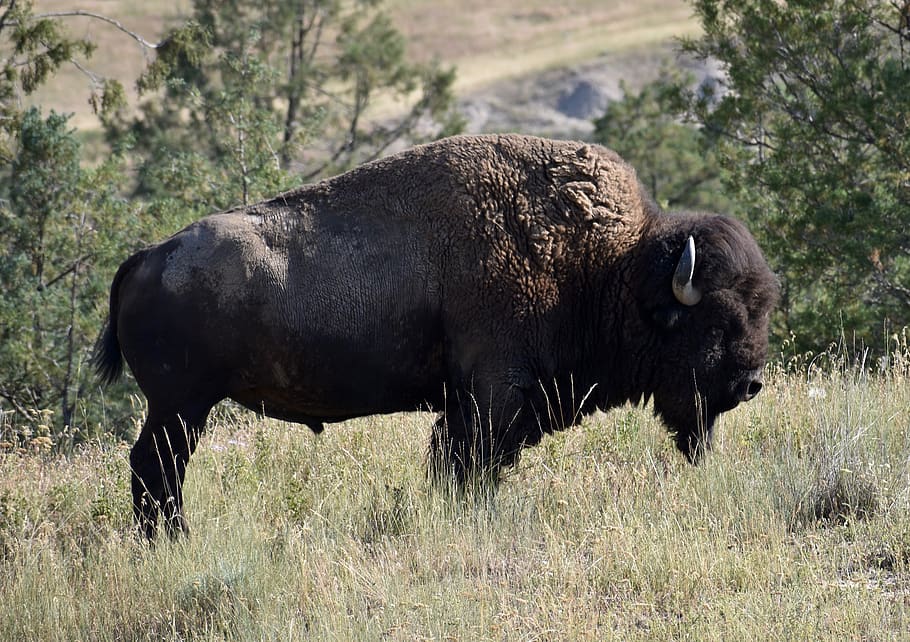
<point>62,225</point>
<point>674,160</point>
<point>814,137</point>
<point>254,88</point>
<point>62,229</point>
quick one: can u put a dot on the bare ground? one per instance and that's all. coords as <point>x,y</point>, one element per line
<point>563,102</point>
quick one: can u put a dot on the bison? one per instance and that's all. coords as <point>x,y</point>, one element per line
<point>512,284</point>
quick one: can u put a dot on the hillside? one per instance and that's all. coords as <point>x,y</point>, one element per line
<point>509,55</point>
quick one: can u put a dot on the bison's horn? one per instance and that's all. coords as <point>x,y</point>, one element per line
<point>685,292</point>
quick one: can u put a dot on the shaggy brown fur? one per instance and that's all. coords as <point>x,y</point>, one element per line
<point>511,283</point>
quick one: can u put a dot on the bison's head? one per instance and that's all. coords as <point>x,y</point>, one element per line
<point>704,294</point>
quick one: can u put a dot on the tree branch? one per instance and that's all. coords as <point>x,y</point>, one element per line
<point>96,79</point>
<point>97,16</point>
<point>15,404</point>
<point>9,10</point>
<point>70,269</point>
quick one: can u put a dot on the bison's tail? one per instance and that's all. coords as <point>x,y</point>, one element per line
<point>107,358</point>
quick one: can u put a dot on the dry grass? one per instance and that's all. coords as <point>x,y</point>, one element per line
<point>490,41</point>
<point>600,533</point>
<point>485,41</point>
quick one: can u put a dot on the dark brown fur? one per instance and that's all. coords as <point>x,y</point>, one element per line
<point>511,283</point>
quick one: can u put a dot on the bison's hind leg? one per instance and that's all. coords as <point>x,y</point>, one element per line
<point>158,462</point>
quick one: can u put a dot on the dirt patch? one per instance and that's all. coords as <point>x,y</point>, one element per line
<point>564,102</point>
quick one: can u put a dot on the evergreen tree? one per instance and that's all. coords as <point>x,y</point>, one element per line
<point>814,137</point>
<point>63,227</point>
<point>674,160</point>
<point>264,93</point>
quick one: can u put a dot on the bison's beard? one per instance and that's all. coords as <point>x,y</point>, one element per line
<point>691,424</point>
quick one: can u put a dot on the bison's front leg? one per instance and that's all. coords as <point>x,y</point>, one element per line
<point>454,456</point>
<point>478,435</point>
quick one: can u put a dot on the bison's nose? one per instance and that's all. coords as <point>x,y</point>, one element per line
<point>750,385</point>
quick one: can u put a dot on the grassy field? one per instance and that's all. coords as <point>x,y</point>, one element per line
<point>485,41</point>
<point>797,527</point>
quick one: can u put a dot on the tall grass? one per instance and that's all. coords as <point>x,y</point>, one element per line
<point>796,527</point>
